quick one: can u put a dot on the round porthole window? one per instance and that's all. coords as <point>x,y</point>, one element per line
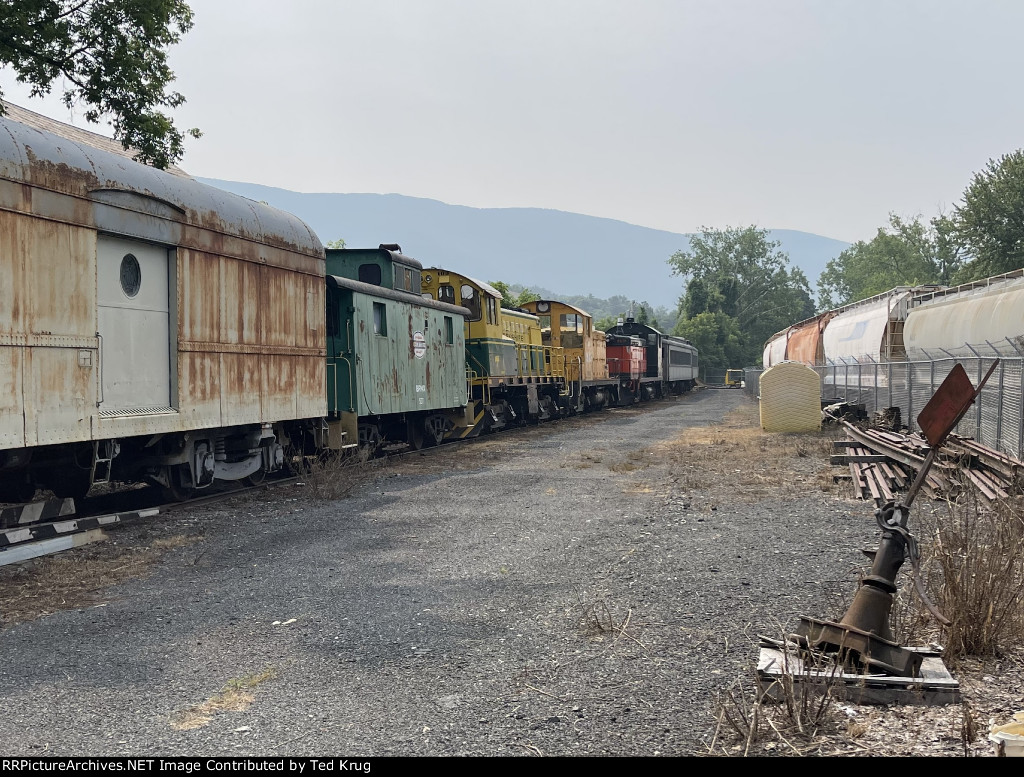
<point>131,275</point>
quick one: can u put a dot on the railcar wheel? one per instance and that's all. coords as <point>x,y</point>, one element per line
<point>369,437</point>
<point>180,487</point>
<point>256,477</point>
<point>435,427</point>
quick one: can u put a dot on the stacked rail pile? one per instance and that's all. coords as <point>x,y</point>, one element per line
<point>882,463</point>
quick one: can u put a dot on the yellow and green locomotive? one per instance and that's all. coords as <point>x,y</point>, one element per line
<point>513,376</point>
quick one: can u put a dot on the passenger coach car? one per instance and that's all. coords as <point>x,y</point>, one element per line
<point>151,327</point>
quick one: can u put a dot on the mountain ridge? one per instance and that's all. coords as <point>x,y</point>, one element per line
<point>571,253</point>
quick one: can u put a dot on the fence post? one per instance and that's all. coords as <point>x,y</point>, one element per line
<point>875,408</point>
<point>910,396</point>
<point>999,408</point>
<point>889,365</point>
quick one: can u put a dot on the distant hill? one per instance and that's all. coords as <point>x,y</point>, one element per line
<point>569,253</point>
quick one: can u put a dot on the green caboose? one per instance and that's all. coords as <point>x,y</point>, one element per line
<point>396,368</point>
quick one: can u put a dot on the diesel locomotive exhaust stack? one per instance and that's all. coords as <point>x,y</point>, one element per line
<point>863,638</point>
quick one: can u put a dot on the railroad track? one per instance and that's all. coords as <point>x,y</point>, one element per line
<point>54,525</point>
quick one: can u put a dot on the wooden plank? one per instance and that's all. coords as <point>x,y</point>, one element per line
<point>934,687</point>
<point>872,482</point>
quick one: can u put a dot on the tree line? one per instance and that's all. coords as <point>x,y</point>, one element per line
<point>740,289</point>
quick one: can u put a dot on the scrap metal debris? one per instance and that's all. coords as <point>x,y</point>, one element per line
<point>882,463</point>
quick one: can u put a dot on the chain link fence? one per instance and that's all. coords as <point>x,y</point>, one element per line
<point>995,419</point>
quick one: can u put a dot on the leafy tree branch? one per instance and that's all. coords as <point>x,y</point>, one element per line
<point>111,56</point>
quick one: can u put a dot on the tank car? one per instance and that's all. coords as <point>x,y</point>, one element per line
<point>985,316</point>
<point>396,368</point>
<point>584,349</point>
<point>151,327</point>
<point>671,361</point>
<point>513,376</point>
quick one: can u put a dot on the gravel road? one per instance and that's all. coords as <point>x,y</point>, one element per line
<point>583,588</point>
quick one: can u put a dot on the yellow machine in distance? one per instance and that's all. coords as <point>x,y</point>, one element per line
<point>734,378</point>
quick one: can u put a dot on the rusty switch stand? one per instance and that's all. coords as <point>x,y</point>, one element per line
<point>864,638</point>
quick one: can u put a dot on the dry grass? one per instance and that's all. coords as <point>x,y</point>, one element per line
<point>749,456</point>
<point>598,618</point>
<point>235,696</point>
<point>973,557</point>
<point>69,581</point>
<point>335,476</point>
<point>791,713</point>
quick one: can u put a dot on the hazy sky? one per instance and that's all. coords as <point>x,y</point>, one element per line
<point>822,116</point>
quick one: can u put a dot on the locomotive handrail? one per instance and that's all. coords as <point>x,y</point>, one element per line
<point>475,379</point>
<point>351,388</point>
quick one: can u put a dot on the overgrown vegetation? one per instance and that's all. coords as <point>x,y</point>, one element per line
<point>973,557</point>
<point>791,710</point>
<point>740,290</point>
<point>334,476</point>
<point>61,582</point>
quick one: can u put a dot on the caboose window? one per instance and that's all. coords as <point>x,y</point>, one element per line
<point>449,330</point>
<point>370,273</point>
<point>380,319</point>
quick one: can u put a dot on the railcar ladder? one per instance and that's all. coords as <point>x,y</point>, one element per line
<point>101,465</point>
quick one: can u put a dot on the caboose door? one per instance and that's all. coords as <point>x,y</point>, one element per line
<point>134,325</point>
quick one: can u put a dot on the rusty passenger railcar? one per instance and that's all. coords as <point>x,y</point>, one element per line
<point>151,327</point>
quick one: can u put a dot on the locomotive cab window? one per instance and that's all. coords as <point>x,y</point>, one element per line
<point>370,273</point>
<point>572,330</point>
<point>471,300</point>
<point>446,293</point>
<point>492,310</point>
<point>380,319</point>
